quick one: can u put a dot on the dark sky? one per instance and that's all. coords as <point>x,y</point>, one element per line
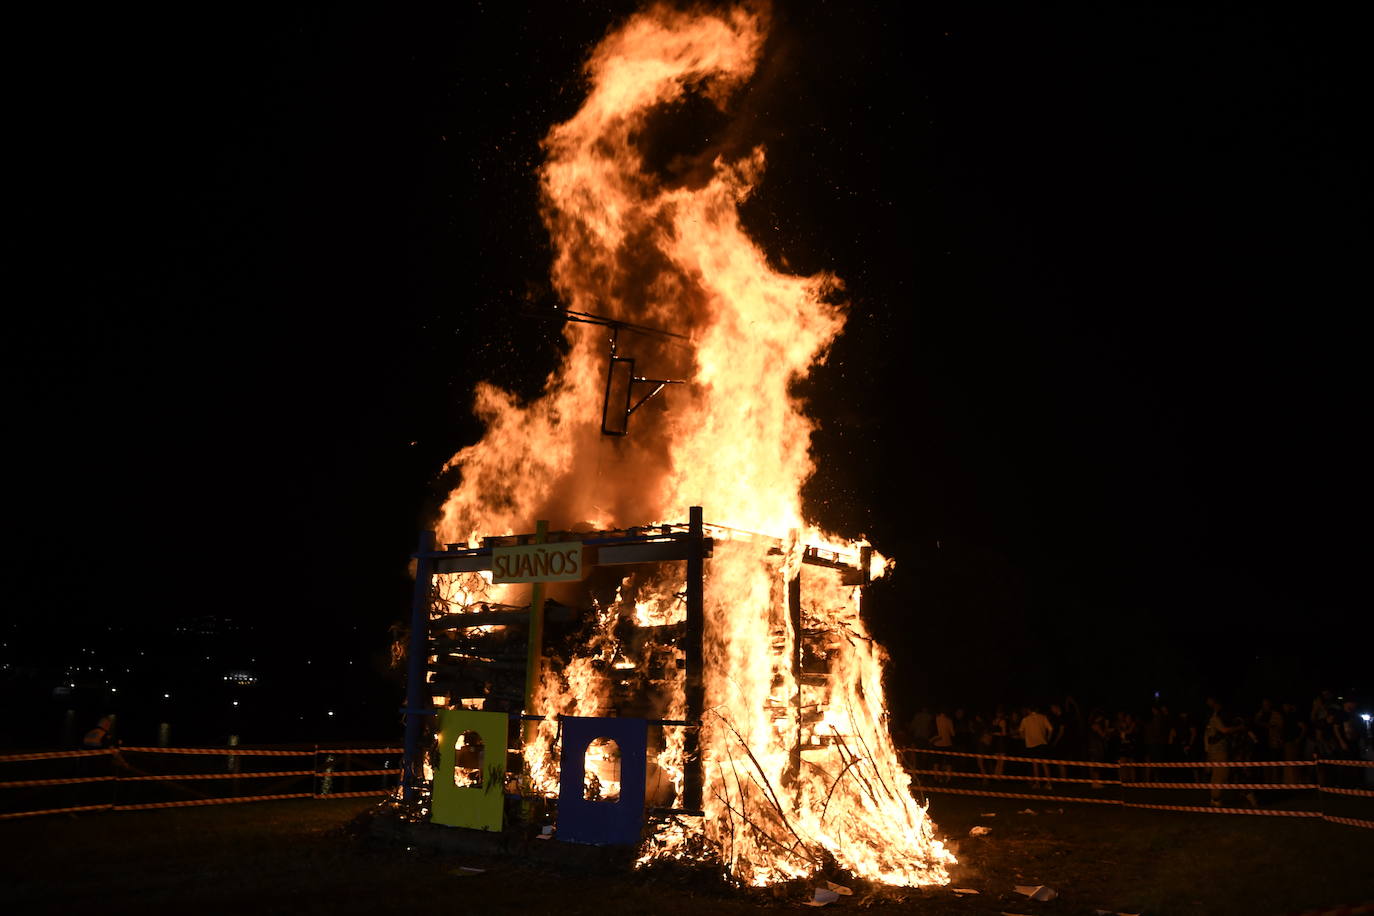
<point>1101,394</point>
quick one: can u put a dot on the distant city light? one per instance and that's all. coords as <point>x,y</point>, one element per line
<point>1366,716</point>
<point>166,696</point>
<point>331,712</point>
<point>236,702</point>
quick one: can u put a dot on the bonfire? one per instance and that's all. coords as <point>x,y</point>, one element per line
<point>684,346</point>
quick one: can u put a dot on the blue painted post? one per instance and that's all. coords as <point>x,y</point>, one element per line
<point>417,652</point>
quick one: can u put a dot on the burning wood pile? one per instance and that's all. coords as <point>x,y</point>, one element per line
<point>738,647</point>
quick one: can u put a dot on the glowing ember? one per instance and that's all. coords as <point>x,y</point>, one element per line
<point>799,767</point>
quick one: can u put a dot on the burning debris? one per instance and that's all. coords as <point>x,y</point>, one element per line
<point>742,656</point>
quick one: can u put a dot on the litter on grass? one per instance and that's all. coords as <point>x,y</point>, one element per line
<point>821,896</point>
<point>1037,892</point>
<point>980,831</point>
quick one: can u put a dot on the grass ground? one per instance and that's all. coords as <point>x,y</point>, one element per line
<point>301,857</point>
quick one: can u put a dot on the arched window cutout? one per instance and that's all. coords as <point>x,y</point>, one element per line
<point>469,761</point>
<point>601,765</point>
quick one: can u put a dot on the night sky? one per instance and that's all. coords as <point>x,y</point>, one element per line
<point>1100,395</point>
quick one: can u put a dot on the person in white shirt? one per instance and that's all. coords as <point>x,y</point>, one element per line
<point>944,739</point>
<point>1036,732</point>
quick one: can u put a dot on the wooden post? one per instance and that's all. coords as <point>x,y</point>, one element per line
<point>534,655</point>
<point>694,650</point>
<point>794,595</point>
<point>417,696</point>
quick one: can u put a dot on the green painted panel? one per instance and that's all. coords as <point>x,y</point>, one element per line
<point>469,786</point>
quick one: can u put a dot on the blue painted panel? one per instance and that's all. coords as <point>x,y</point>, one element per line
<point>602,823</point>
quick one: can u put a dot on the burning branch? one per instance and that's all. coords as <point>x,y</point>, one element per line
<point>769,792</point>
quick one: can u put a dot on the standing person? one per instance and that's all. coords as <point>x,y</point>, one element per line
<point>1268,730</point>
<point>1099,733</point>
<point>100,736</point>
<point>1068,739</point>
<point>1294,732</point>
<point>944,740</point>
<point>1001,738</point>
<point>1347,725</point>
<point>1127,748</point>
<point>982,742</point>
<point>1273,732</point>
<point>1036,731</point>
<point>963,737</point>
<point>1323,705</point>
<point>922,727</point>
<point>1156,733</point>
<point>1331,746</point>
<point>1216,738</point>
<point>1182,742</point>
<point>1244,746</point>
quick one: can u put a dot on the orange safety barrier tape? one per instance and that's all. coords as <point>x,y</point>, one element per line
<point>967,775</point>
<point>987,794</point>
<point>14,814</point>
<point>1170,764</point>
<point>1348,821</point>
<point>71,781</point>
<point>210,801</point>
<point>945,753</point>
<point>1225,763</point>
<point>1226,785</point>
<point>1208,809</point>
<point>217,751</point>
<point>395,772</point>
<point>173,777</point>
<point>52,755</point>
<point>361,794</point>
<point>177,777</point>
<point>1349,763</point>
<point>1364,793</point>
<point>362,750</point>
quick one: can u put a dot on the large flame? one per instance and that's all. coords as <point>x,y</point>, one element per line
<point>662,245</point>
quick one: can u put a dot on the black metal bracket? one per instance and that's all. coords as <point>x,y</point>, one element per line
<point>625,391</point>
<point>615,420</point>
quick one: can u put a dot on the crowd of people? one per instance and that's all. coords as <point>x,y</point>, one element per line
<point>1330,728</point>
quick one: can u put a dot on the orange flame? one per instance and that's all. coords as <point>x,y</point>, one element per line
<point>664,247</point>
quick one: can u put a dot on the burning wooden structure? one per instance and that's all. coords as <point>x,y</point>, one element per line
<point>736,663</point>
<point>476,659</point>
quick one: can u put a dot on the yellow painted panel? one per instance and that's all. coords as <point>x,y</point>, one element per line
<point>480,807</point>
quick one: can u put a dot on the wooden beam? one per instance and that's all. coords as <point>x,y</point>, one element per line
<point>553,611</point>
<point>694,650</point>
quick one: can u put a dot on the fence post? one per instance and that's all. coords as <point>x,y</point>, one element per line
<point>114,772</point>
<point>417,698</point>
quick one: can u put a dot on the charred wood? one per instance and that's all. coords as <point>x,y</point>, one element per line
<point>554,612</point>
